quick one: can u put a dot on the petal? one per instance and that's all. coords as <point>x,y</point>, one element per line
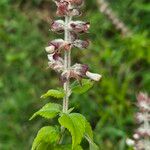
<point>50,49</point>
<point>79,26</point>
<point>81,44</point>
<point>57,26</point>
<point>93,76</point>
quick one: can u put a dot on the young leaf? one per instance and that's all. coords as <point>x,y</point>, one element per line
<point>70,110</point>
<point>53,93</point>
<point>84,87</point>
<point>48,111</point>
<point>89,136</point>
<point>75,123</point>
<point>43,146</point>
<point>67,147</point>
<point>46,136</point>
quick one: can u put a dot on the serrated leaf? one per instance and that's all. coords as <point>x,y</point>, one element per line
<point>82,88</point>
<point>46,136</point>
<point>89,137</point>
<point>75,123</point>
<point>53,93</point>
<point>48,111</point>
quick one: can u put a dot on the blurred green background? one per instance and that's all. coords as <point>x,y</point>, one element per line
<point>123,62</point>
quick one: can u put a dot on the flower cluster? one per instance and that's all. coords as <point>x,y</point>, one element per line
<point>142,134</point>
<point>78,71</point>
<point>68,7</point>
<point>55,47</point>
<point>59,26</point>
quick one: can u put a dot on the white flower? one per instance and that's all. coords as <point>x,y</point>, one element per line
<point>136,136</point>
<point>130,142</point>
<point>50,49</point>
<point>93,76</point>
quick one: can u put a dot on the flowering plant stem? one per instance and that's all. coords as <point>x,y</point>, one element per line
<point>52,137</point>
<point>67,65</point>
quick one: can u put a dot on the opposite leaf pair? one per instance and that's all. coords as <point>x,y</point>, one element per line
<point>49,136</point>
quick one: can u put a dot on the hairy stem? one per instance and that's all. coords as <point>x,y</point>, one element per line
<point>67,64</point>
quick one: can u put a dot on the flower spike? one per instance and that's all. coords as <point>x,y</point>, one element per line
<point>141,138</point>
<point>63,66</point>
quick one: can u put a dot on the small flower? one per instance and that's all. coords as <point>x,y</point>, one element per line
<point>142,134</point>
<point>58,26</point>
<point>143,131</point>
<point>74,12</point>
<point>136,136</point>
<point>56,62</point>
<point>141,117</point>
<point>57,45</point>
<point>65,7</point>
<point>93,76</point>
<point>79,26</point>
<point>130,142</point>
<point>78,71</point>
<point>62,8</point>
<point>81,44</point>
<point>143,102</point>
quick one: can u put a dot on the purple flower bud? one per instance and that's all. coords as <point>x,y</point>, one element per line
<point>57,45</point>
<point>73,36</point>
<point>58,26</point>
<point>81,44</point>
<point>77,72</point>
<point>56,62</point>
<point>80,69</point>
<point>79,26</point>
<point>64,8</point>
<point>74,12</point>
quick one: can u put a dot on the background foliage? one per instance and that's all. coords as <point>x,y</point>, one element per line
<point>123,62</point>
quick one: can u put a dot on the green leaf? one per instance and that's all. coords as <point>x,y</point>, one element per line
<point>84,87</point>
<point>70,110</point>
<point>67,147</point>
<point>43,146</point>
<point>88,130</point>
<point>89,137</point>
<point>46,136</point>
<point>75,123</point>
<point>92,145</point>
<point>48,111</point>
<point>53,93</point>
